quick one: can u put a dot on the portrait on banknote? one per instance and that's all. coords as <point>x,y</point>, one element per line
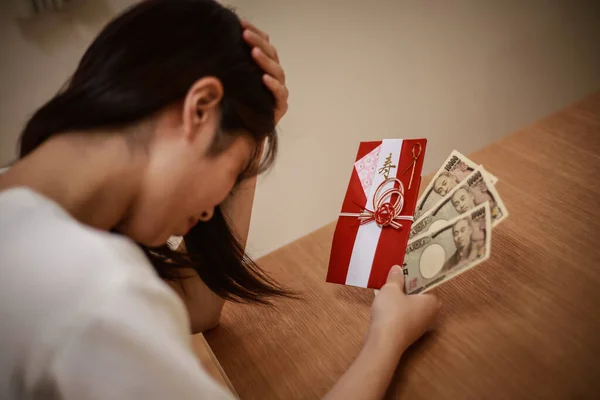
<point>448,249</point>
<point>466,197</point>
<point>469,241</point>
<point>444,183</point>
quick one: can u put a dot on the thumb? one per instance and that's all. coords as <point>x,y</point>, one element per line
<point>396,275</point>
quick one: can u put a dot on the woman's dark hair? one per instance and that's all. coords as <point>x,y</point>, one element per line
<point>147,59</point>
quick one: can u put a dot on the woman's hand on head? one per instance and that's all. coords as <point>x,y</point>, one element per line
<point>267,58</point>
<point>400,319</point>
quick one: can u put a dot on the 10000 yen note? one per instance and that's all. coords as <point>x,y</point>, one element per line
<point>454,170</point>
<point>475,189</point>
<point>449,250</point>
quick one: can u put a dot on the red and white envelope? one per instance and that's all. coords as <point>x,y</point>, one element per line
<point>377,213</point>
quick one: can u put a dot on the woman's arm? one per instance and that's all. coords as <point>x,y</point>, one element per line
<point>397,320</point>
<point>203,305</point>
<point>370,374</point>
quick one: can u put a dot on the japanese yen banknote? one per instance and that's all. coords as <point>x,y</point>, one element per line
<point>454,218</point>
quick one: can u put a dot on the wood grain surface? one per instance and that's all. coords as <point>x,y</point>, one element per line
<point>525,324</point>
<point>209,362</point>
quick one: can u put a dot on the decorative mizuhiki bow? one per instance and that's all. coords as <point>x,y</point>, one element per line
<point>386,212</point>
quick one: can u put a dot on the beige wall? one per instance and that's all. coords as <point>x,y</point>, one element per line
<point>461,73</point>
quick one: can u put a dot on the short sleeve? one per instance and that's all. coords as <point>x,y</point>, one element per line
<point>131,345</point>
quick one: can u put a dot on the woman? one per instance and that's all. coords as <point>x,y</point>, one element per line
<point>166,113</point>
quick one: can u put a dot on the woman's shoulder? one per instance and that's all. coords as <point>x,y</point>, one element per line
<point>39,235</point>
<point>73,293</point>
<point>58,274</point>
<point>52,262</point>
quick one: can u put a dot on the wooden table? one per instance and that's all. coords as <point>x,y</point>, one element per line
<point>526,324</point>
<point>210,363</point>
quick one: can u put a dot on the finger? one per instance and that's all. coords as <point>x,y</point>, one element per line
<point>279,90</point>
<point>253,28</point>
<point>256,40</point>
<point>433,299</point>
<point>281,96</point>
<point>396,276</point>
<point>433,306</point>
<point>268,65</point>
<point>434,296</point>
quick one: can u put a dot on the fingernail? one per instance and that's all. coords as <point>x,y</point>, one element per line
<point>396,269</point>
<point>256,52</point>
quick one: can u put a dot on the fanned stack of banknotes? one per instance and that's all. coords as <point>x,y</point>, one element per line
<point>454,219</point>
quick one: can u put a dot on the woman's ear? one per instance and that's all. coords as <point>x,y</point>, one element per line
<point>201,105</point>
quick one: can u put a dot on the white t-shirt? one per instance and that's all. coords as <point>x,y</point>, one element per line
<point>83,315</point>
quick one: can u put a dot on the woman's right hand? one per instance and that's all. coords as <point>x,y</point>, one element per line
<point>399,319</point>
